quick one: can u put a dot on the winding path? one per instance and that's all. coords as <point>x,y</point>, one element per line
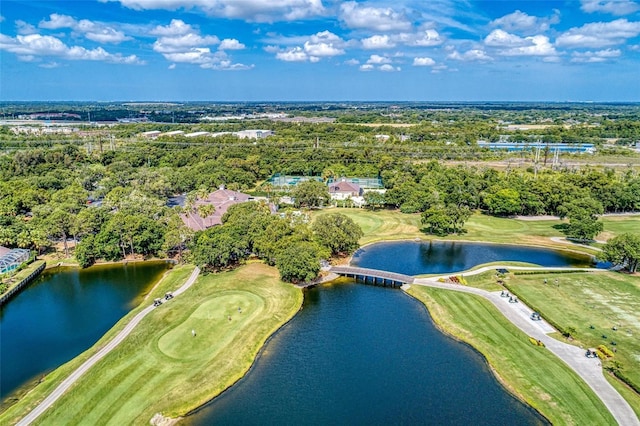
<point>588,369</point>
<point>73,377</point>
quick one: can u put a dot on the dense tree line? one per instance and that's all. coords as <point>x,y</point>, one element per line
<point>114,202</point>
<point>287,241</point>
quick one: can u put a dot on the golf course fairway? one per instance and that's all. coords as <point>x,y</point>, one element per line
<point>180,356</point>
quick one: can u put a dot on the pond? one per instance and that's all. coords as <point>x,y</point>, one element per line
<point>442,257</point>
<point>360,354</point>
<point>63,313</point>
<point>366,355</point>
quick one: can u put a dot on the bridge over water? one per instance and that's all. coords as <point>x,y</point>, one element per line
<point>374,276</point>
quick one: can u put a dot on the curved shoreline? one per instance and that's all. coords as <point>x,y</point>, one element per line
<point>85,366</point>
<point>503,382</point>
<point>589,370</point>
<point>553,245</point>
<point>263,345</point>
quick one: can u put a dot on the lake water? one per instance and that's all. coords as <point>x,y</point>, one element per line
<point>369,355</point>
<point>63,313</point>
<point>442,257</point>
<point>365,355</point>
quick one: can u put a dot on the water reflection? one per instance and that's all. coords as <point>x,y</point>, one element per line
<point>435,257</point>
<point>65,311</point>
<point>367,355</point>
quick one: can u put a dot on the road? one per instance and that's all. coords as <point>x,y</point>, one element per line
<point>73,377</point>
<point>519,314</point>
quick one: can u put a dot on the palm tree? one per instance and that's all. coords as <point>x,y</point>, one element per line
<point>205,210</point>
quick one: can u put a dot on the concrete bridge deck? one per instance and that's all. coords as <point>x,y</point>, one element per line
<point>385,276</point>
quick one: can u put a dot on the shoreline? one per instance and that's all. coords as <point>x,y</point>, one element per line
<point>558,246</point>
<point>162,420</point>
<point>61,264</point>
<point>511,390</point>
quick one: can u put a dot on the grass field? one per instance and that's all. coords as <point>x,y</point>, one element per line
<point>382,225</point>
<point>582,301</point>
<point>161,366</point>
<point>532,373</point>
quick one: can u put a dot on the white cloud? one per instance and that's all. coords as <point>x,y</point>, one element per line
<point>231,44</point>
<point>356,16</point>
<point>388,68</point>
<point>38,45</point>
<point>366,67</point>
<point>172,67</point>
<point>175,28</point>
<point>25,28</point>
<point>352,62</point>
<point>57,21</point>
<point>599,34</point>
<point>521,22</point>
<point>49,65</point>
<point>598,56</point>
<point>322,49</point>
<point>324,44</point>
<point>614,7</point>
<point>317,46</point>
<point>513,45</point>
<point>423,62</point>
<point>428,38</point>
<point>183,42</point>
<point>500,38</point>
<point>378,42</point>
<point>377,59</point>
<point>194,55</point>
<point>250,10</point>
<point>96,31</point>
<point>470,56</point>
<point>295,54</point>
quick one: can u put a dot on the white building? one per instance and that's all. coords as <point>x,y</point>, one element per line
<point>254,134</point>
<point>196,134</point>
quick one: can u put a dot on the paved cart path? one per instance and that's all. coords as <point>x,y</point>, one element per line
<point>519,314</point>
<point>73,377</point>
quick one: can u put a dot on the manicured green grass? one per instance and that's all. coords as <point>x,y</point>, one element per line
<point>382,225</point>
<point>616,225</point>
<point>161,366</point>
<point>533,373</point>
<point>583,300</point>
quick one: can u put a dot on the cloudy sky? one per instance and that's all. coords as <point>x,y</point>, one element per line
<point>254,50</point>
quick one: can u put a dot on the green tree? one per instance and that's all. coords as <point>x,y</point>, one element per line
<point>299,262</point>
<point>218,248</point>
<point>85,251</point>
<point>583,219</point>
<point>374,199</point>
<point>59,224</point>
<point>437,219</point>
<point>623,250</point>
<point>310,194</point>
<point>504,202</point>
<point>337,232</point>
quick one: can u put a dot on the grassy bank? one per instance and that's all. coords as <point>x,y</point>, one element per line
<point>161,366</point>
<point>533,373</point>
<point>382,225</point>
<point>595,306</point>
<point>13,280</point>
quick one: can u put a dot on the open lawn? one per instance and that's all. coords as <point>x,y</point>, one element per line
<point>593,305</point>
<point>379,225</point>
<point>532,373</point>
<point>161,366</point>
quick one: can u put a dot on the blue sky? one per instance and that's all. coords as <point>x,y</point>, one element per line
<point>317,50</point>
